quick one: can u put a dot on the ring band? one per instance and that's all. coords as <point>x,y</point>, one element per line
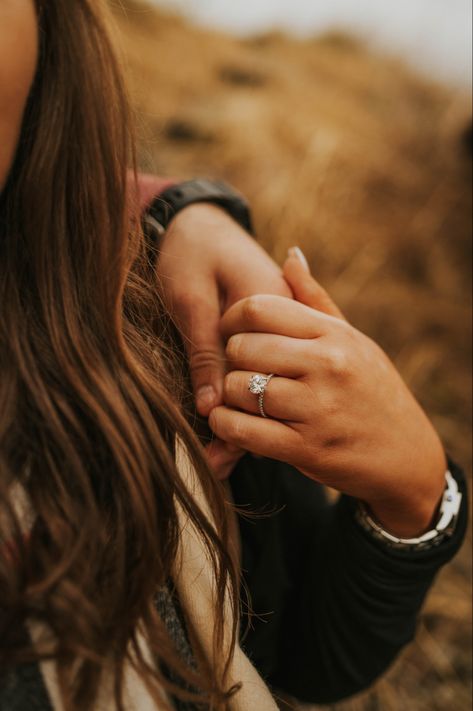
<point>257,386</point>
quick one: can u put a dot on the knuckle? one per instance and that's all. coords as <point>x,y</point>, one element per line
<point>230,384</point>
<point>204,359</point>
<point>338,362</point>
<point>252,309</point>
<point>327,405</point>
<point>238,431</point>
<point>214,420</point>
<point>331,409</point>
<point>230,427</point>
<point>235,347</point>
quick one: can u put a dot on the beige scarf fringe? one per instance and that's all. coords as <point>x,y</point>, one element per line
<point>196,587</point>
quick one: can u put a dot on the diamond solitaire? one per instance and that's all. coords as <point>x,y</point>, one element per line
<point>258,384</point>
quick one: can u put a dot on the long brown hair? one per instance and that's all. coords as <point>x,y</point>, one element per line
<point>88,410</point>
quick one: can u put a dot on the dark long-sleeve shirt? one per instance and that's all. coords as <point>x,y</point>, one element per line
<point>332,606</point>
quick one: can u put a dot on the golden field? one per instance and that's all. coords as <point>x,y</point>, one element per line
<point>367,168</point>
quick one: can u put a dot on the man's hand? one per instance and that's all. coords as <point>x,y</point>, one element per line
<point>206,264</point>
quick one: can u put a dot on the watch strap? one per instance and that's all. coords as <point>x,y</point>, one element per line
<point>444,528</point>
<point>179,196</point>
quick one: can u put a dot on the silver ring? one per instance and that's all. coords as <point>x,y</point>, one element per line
<point>257,386</point>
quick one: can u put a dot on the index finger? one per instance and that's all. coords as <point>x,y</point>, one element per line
<point>267,313</point>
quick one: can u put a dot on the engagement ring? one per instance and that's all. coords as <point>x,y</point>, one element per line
<point>257,386</point>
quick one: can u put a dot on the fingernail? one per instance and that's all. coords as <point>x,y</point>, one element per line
<point>206,398</point>
<point>299,254</point>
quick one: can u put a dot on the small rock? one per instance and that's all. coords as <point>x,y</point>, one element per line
<point>183,130</point>
<point>242,76</point>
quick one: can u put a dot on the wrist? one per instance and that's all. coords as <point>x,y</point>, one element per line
<point>406,519</point>
<point>412,512</point>
<point>204,214</point>
<point>409,509</point>
<point>205,229</point>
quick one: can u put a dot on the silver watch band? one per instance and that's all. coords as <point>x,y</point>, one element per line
<point>448,515</point>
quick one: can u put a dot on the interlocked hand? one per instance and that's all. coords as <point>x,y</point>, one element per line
<point>338,410</point>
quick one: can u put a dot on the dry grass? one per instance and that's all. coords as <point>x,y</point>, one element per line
<point>361,163</point>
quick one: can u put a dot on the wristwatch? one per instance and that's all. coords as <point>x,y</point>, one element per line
<point>175,198</point>
<point>448,515</point>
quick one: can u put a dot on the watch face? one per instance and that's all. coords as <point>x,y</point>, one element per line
<point>450,505</point>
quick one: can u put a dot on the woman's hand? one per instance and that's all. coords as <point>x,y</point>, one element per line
<point>337,410</point>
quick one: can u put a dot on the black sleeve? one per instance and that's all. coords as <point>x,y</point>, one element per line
<point>332,606</point>
<point>24,690</point>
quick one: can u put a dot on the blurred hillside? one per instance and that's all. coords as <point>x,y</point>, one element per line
<point>368,169</point>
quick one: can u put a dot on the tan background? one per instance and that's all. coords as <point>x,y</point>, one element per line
<point>367,168</point>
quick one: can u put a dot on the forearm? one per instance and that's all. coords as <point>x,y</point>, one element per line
<point>354,608</point>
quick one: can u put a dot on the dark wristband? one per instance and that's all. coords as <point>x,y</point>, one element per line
<point>177,197</point>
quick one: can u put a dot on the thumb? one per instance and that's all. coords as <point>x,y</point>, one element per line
<point>206,353</point>
<point>305,288</point>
